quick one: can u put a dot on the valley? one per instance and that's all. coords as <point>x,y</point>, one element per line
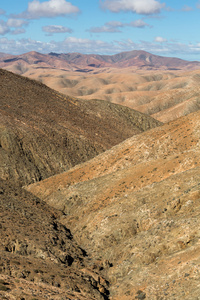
<point>100,177</point>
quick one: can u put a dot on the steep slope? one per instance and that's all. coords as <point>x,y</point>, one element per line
<point>43,133</point>
<point>137,206</point>
<point>39,256</point>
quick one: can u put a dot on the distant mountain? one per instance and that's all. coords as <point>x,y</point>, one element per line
<point>4,54</point>
<point>136,58</point>
<point>20,63</point>
<point>87,62</point>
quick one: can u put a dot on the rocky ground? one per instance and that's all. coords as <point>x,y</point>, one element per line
<point>137,206</point>
<point>122,225</point>
<point>39,257</point>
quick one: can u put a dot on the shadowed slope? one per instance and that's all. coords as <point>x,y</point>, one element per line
<point>39,256</point>
<point>137,205</point>
<point>43,132</point>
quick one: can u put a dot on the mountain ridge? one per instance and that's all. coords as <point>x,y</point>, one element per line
<point>43,132</point>
<point>137,58</point>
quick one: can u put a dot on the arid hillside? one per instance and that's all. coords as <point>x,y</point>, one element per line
<point>164,95</point>
<point>43,132</point>
<point>165,88</point>
<point>137,206</point>
<point>39,257</point>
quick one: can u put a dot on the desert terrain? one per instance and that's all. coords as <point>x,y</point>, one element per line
<point>165,88</point>
<point>99,192</point>
<point>137,206</point>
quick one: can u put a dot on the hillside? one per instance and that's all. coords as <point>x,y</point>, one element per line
<point>43,133</point>
<point>164,88</point>
<point>137,206</point>
<point>39,256</point>
<point>165,96</point>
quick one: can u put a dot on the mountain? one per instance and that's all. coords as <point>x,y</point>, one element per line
<point>137,206</point>
<point>20,63</point>
<point>164,88</point>
<point>88,62</point>
<point>136,58</point>
<point>43,133</point>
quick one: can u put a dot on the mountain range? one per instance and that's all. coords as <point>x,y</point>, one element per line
<point>88,62</point>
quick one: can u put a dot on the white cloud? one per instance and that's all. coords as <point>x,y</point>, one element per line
<point>160,39</point>
<point>139,24</point>
<point>56,29</point>
<point>113,26</point>
<point>48,9</point>
<point>105,28</point>
<point>3,28</point>
<point>18,31</point>
<point>16,23</point>
<point>145,7</point>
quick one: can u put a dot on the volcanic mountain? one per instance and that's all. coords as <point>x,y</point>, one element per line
<point>137,206</point>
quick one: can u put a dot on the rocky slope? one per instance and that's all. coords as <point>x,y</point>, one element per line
<point>137,206</point>
<point>39,257</point>
<point>43,133</point>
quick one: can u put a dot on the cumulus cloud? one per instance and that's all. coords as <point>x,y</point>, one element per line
<point>160,39</point>
<point>51,29</point>
<point>16,23</point>
<point>18,31</point>
<point>48,9</point>
<point>3,28</point>
<point>105,28</point>
<point>145,7</point>
<point>139,24</point>
<point>113,26</point>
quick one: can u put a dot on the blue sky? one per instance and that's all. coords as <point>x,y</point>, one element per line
<point>168,28</point>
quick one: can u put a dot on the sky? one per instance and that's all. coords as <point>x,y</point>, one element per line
<point>167,28</point>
